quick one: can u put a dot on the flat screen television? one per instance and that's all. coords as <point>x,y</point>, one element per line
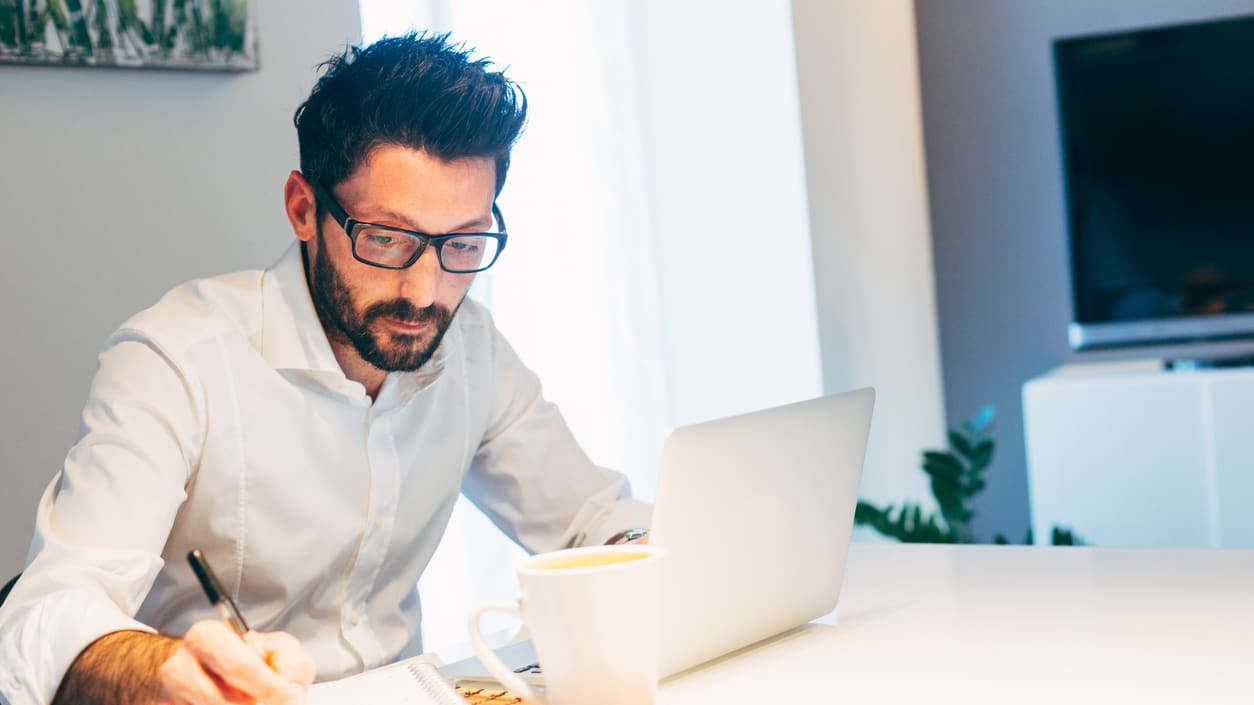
<point>1157,130</point>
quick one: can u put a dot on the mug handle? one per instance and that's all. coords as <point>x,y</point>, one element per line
<point>492,662</point>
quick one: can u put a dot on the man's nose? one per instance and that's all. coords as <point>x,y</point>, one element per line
<point>421,279</point>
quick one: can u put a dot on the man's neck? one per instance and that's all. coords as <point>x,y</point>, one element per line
<point>357,369</point>
<point>351,363</point>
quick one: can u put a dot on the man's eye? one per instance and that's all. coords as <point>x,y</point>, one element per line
<point>379,239</point>
<point>463,245</point>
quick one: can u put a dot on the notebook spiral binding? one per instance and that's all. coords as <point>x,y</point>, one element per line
<point>434,684</point>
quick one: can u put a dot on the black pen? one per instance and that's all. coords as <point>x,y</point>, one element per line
<point>221,601</point>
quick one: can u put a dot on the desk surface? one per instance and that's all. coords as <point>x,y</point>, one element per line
<point>1008,624</point>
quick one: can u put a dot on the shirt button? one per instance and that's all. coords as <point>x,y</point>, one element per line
<point>354,617</point>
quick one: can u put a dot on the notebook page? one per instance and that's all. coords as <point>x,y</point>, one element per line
<point>406,683</point>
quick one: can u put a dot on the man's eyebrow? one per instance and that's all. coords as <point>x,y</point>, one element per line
<point>481,222</point>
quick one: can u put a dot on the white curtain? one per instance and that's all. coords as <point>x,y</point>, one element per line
<point>575,292</point>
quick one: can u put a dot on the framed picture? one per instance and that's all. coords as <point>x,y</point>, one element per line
<point>208,35</point>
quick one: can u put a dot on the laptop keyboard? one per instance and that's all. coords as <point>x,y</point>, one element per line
<point>495,696</point>
<point>529,670</point>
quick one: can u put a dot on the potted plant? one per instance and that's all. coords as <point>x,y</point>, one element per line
<point>957,477</point>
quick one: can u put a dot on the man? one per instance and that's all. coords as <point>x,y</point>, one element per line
<point>308,427</point>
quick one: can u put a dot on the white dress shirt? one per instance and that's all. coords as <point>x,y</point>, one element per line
<point>220,420</point>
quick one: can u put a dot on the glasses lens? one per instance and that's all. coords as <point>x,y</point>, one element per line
<point>386,247</point>
<point>468,253</point>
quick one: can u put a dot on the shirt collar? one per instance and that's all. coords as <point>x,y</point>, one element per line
<point>293,337</point>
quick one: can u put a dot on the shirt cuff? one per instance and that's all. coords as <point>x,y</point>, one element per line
<point>623,514</point>
<point>35,662</point>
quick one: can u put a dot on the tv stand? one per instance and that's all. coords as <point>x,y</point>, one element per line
<point>1190,364</point>
<point>1134,454</point>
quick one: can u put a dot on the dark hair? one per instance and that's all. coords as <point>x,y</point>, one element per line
<point>415,90</point>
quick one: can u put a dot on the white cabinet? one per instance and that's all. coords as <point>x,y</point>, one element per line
<point>1131,454</point>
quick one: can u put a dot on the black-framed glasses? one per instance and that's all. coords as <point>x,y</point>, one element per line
<point>397,248</point>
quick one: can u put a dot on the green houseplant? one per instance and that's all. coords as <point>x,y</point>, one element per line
<point>956,478</point>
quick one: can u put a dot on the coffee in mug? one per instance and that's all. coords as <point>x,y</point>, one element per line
<point>595,619</point>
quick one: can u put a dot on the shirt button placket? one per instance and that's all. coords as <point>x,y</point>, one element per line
<point>381,472</point>
<point>356,592</point>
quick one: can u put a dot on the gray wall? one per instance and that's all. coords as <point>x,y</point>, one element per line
<point>117,185</point>
<point>996,190</point>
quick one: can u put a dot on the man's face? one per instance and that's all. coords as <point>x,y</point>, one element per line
<point>395,319</point>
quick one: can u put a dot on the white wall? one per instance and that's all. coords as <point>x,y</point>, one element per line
<point>640,133</point>
<point>725,169</point>
<point>860,106</point>
<point>116,185</point>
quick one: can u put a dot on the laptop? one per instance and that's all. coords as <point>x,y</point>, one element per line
<point>755,512</point>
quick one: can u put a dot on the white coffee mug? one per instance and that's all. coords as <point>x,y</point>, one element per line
<point>595,619</point>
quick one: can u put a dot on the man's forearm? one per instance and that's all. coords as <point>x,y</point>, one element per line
<point>121,668</point>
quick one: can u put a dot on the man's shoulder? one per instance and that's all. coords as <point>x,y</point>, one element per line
<point>201,310</point>
<point>476,329</point>
<point>480,341</point>
<point>474,316</point>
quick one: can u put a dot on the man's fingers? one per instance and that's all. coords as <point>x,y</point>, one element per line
<point>184,682</point>
<point>214,666</point>
<point>222,653</point>
<point>285,655</point>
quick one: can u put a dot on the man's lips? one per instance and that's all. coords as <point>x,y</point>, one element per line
<point>406,326</point>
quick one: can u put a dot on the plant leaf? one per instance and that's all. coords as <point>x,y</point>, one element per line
<point>982,456</point>
<point>960,444</point>
<point>983,419</point>
<point>1063,536</point>
<point>864,512</point>
<point>943,465</point>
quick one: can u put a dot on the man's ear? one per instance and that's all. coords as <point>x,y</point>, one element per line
<point>302,210</point>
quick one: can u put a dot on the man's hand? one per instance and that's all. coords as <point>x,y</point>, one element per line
<point>213,666</point>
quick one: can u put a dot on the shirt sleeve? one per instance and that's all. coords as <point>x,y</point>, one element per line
<point>531,478</point>
<point>103,520</point>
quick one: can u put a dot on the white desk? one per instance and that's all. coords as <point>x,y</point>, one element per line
<point>928,625</point>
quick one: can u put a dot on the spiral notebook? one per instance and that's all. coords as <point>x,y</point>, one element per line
<point>406,683</point>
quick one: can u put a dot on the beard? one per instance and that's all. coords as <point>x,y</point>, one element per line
<point>346,322</point>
